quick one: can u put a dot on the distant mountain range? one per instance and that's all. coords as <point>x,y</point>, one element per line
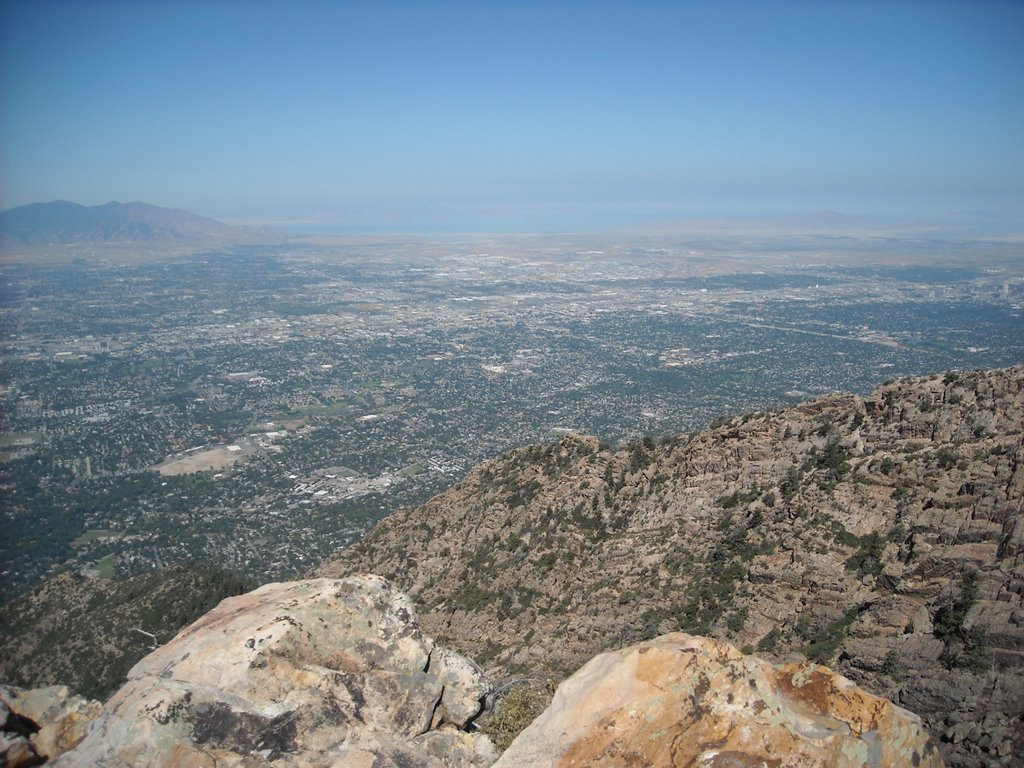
<point>64,223</point>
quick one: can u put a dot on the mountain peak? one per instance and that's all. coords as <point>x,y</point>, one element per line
<point>61,222</point>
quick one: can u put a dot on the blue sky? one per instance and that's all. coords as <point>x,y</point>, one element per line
<point>514,116</point>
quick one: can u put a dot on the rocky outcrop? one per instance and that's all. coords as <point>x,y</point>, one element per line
<point>320,672</point>
<point>41,723</point>
<point>883,535</point>
<point>681,701</point>
<point>336,672</point>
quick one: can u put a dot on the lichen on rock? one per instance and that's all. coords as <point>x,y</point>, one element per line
<point>680,700</point>
<point>305,673</point>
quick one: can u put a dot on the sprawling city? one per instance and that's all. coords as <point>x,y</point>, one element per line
<point>259,407</point>
<point>511,384</point>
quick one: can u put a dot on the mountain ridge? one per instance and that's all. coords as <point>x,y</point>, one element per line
<point>881,534</point>
<point>60,223</point>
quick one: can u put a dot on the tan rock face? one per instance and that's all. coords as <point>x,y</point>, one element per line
<point>41,723</point>
<point>305,673</point>
<point>680,701</point>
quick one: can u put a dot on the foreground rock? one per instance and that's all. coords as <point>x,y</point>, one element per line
<point>41,723</point>
<point>681,700</point>
<point>318,672</point>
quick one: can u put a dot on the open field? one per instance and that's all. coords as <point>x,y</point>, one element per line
<point>105,567</point>
<point>20,439</point>
<point>97,534</point>
<point>209,460</point>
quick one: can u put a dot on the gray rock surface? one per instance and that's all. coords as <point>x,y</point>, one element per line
<point>319,672</point>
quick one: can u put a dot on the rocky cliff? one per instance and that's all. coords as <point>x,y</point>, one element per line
<point>881,534</point>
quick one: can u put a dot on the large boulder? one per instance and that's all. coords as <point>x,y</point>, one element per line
<point>681,700</point>
<point>317,672</point>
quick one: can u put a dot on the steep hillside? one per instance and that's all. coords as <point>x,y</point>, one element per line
<point>880,534</point>
<point>84,633</point>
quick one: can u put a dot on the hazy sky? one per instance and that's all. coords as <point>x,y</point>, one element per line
<point>512,116</point>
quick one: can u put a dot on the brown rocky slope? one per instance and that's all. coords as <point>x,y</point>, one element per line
<point>879,534</point>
